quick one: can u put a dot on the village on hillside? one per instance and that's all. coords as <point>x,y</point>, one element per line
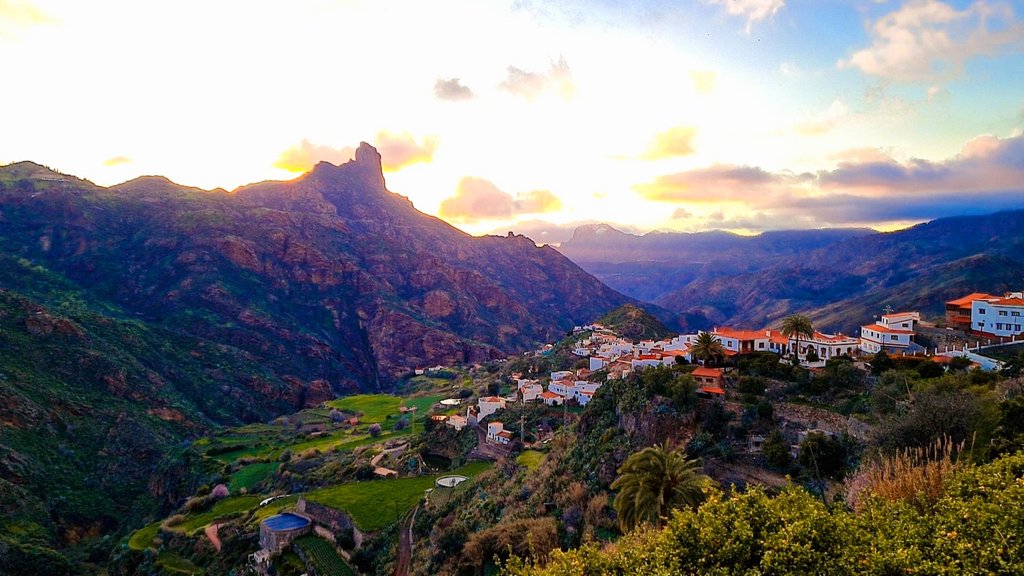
<point>991,319</point>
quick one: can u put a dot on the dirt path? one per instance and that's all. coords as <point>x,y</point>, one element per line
<point>405,544</point>
<point>211,533</point>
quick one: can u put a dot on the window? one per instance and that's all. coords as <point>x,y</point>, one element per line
<point>999,325</point>
<point>1015,313</point>
<point>981,310</point>
<point>1002,312</point>
<point>892,337</point>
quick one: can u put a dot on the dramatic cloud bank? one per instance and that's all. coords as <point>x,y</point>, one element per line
<point>477,199</point>
<point>928,40</point>
<point>867,186</point>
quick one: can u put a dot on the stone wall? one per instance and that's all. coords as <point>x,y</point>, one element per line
<point>278,540</point>
<point>335,520</point>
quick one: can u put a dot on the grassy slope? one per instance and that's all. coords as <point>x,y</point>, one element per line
<point>377,503</point>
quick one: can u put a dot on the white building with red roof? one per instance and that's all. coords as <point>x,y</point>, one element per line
<point>488,405</point>
<point>552,398</point>
<point>892,332</point>
<point>1003,317</point>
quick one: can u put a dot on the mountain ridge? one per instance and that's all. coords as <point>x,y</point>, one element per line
<point>158,311</point>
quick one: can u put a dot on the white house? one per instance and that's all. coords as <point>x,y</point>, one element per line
<point>1003,317</point>
<point>561,375</point>
<point>599,362</point>
<point>560,387</point>
<point>579,388</point>
<point>584,397</point>
<point>496,433</point>
<point>552,399</point>
<point>827,345</point>
<point>892,333</point>
<point>488,405</point>
<point>645,361</point>
<point>458,422</point>
<point>531,392</point>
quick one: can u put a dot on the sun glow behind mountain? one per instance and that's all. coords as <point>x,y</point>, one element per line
<point>738,115</point>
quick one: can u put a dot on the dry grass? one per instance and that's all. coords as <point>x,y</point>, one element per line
<point>914,475</point>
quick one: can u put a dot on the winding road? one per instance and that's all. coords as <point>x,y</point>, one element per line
<point>405,544</point>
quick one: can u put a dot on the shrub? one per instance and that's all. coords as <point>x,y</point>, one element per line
<point>914,475</point>
<point>374,430</point>
<point>219,491</point>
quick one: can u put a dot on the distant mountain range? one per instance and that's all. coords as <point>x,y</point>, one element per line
<point>134,316</point>
<point>841,278</point>
<point>653,265</point>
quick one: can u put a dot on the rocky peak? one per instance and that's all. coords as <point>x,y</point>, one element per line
<point>368,156</point>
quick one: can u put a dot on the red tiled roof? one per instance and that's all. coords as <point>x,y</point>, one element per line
<point>898,314</point>
<point>709,372</point>
<point>550,395</point>
<point>505,434</point>
<point>966,300</point>
<point>1009,302</point>
<point>742,334</point>
<point>713,390</point>
<point>885,329</point>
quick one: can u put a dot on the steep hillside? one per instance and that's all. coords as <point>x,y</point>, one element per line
<point>841,286</point>
<point>329,276</point>
<point>656,264</point>
<point>137,316</point>
<point>635,323</point>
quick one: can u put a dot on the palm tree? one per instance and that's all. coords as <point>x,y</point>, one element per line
<point>653,481</point>
<point>797,325</point>
<point>707,347</point>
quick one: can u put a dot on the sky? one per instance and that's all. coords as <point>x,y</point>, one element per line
<point>534,117</point>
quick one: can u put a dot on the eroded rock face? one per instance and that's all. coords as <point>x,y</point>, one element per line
<point>328,278</point>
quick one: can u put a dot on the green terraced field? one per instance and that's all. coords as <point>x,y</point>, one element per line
<point>375,504</point>
<point>323,556</point>
<point>251,475</point>
<point>370,407</point>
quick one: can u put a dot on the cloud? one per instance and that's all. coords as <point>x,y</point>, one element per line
<point>477,199</point>
<point>16,15</point>
<point>677,141</point>
<point>117,161</point>
<point>717,183</point>
<point>396,151</point>
<point>824,121</point>
<point>929,40</point>
<point>400,150</point>
<point>452,89</point>
<point>682,214</point>
<point>304,155</point>
<point>752,10</point>
<point>866,187</point>
<point>530,85</point>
